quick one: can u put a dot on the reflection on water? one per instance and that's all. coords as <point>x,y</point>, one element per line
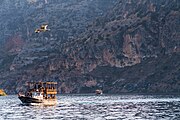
<point>91,107</point>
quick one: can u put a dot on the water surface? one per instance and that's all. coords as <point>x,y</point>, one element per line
<point>92,107</point>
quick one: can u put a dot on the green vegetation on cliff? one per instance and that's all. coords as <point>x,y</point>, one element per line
<point>127,46</point>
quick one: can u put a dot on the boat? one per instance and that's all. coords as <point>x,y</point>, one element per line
<point>2,93</point>
<point>98,92</point>
<point>39,93</point>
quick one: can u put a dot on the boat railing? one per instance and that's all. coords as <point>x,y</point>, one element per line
<point>51,91</point>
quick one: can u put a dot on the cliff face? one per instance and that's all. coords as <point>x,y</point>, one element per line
<point>89,48</point>
<point>20,47</point>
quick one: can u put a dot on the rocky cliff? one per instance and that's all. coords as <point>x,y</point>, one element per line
<point>134,47</point>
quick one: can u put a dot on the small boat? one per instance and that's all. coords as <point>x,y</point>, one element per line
<point>40,93</point>
<point>2,93</point>
<point>98,92</point>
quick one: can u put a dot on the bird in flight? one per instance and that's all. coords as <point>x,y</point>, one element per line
<point>43,28</point>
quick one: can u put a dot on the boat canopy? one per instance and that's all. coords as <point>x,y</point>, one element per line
<point>49,88</point>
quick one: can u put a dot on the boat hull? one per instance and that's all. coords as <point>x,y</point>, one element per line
<point>25,99</point>
<point>34,101</point>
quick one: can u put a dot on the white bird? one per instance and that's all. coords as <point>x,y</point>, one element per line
<point>42,29</point>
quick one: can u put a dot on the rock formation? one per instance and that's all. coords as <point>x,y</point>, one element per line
<point>117,46</point>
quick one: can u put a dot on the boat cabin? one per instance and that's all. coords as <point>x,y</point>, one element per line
<point>47,90</point>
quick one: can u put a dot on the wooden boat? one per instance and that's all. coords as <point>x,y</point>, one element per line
<point>40,93</point>
<point>98,92</point>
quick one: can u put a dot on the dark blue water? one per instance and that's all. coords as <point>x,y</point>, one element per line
<point>91,107</point>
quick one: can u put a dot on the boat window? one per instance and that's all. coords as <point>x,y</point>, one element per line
<point>36,94</point>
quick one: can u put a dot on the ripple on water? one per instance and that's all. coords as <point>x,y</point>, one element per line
<point>92,107</point>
